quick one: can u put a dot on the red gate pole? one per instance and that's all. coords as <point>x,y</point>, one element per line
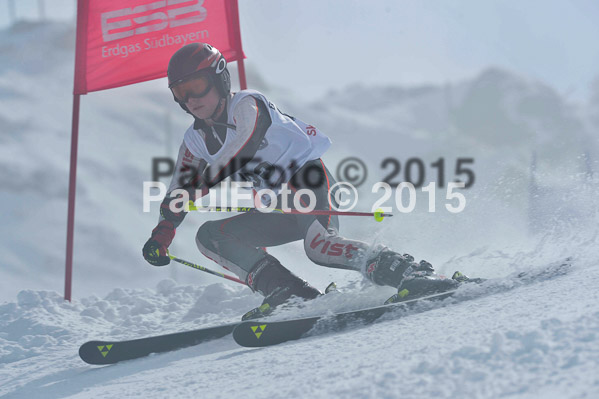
<point>80,87</point>
<point>241,69</point>
<point>237,37</point>
<point>72,190</point>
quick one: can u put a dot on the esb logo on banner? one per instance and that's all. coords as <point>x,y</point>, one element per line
<point>138,22</point>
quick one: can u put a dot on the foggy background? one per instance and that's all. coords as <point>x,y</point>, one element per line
<point>512,86</point>
<point>300,45</point>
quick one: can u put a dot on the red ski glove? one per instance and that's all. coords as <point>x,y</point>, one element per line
<point>155,249</point>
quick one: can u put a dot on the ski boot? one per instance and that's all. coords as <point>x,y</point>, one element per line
<point>278,285</point>
<point>411,279</point>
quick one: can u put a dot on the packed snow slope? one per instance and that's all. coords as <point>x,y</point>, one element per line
<point>506,339</point>
<point>534,202</point>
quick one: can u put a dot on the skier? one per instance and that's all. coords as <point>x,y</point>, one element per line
<point>246,137</point>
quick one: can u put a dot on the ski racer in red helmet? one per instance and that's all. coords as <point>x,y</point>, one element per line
<point>245,137</point>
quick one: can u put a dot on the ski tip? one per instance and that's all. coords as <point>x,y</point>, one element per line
<point>248,334</point>
<point>96,352</point>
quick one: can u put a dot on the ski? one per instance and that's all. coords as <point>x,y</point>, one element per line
<point>110,352</point>
<point>265,333</point>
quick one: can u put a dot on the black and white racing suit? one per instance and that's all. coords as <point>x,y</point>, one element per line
<point>250,133</point>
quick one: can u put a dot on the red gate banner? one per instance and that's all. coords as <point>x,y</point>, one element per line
<point>121,42</point>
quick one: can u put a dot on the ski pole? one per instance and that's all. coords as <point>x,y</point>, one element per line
<point>202,268</point>
<point>379,215</point>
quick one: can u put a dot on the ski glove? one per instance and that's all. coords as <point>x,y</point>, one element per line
<point>155,249</point>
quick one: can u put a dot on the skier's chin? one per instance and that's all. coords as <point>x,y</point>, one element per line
<point>201,112</point>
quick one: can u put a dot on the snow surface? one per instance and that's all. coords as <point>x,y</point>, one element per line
<point>537,340</point>
<point>521,341</point>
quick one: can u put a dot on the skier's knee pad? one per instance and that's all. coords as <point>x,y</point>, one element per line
<point>204,237</point>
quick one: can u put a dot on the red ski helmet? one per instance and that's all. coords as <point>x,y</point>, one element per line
<point>198,59</point>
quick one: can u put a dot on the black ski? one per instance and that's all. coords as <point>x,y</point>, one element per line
<point>264,333</point>
<point>109,352</point>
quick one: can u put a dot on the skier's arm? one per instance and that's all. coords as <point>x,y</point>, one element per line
<point>187,176</point>
<point>252,119</point>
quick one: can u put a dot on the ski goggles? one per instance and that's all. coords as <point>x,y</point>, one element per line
<point>196,88</point>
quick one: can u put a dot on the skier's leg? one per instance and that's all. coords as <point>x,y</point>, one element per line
<point>327,248</point>
<point>322,242</point>
<point>324,246</point>
<point>235,244</point>
<point>379,264</point>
